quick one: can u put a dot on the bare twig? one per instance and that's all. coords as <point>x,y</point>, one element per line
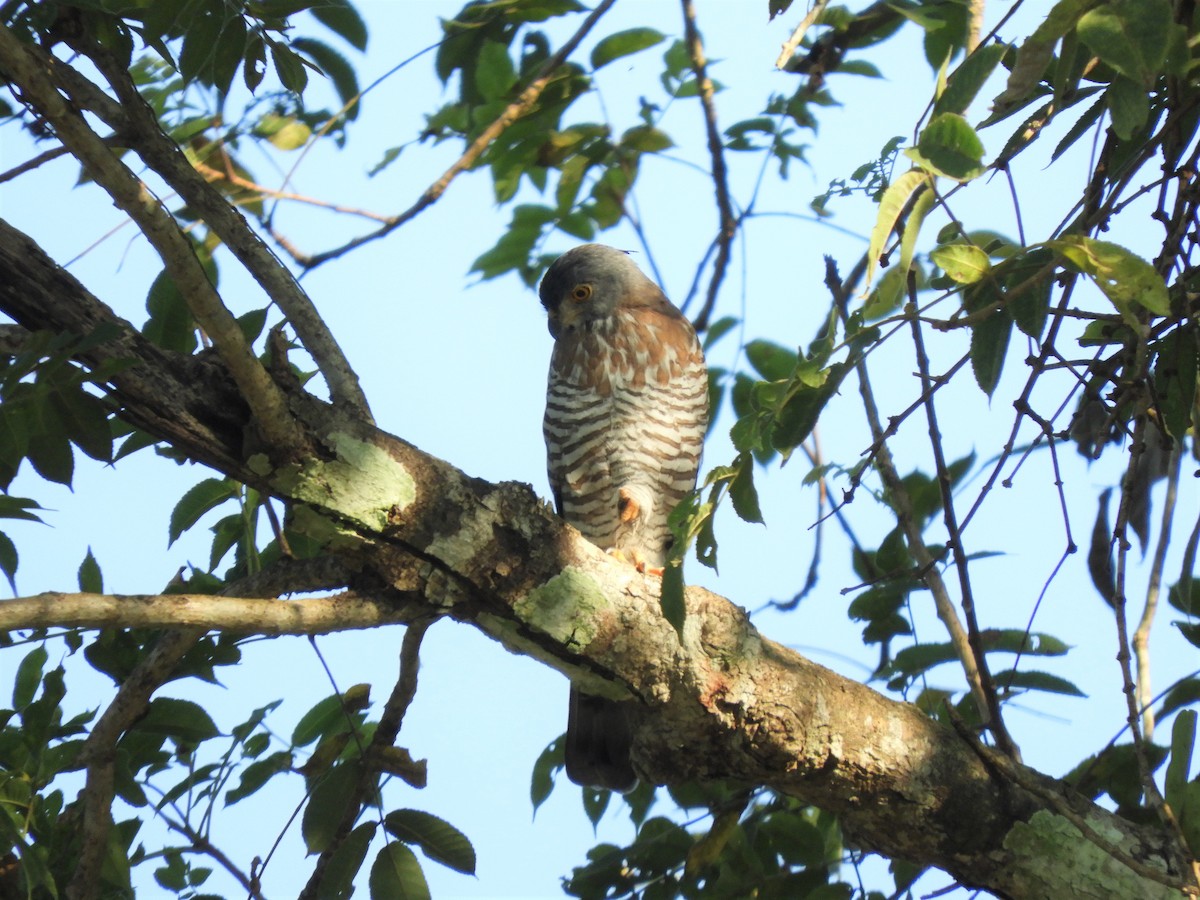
<point>727,226</point>
<point>511,113</point>
<point>790,45</point>
<point>902,505</point>
<point>995,721</point>
<point>250,615</point>
<point>1153,797</point>
<point>1141,635</point>
<point>233,178</point>
<point>974,24</point>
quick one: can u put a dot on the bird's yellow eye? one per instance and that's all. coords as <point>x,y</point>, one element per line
<point>581,292</point>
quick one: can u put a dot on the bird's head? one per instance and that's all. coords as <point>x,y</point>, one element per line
<point>588,284</point>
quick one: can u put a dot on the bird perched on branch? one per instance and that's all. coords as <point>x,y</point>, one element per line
<point>626,412</point>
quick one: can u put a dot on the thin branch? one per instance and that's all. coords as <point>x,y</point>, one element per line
<point>99,754</point>
<point>233,178</point>
<point>974,24</point>
<point>30,164</point>
<point>954,538</point>
<point>901,503</point>
<point>166,158</point>
<point>790,45</point>
<point>728,221</point>
<point>1153,797</point>
<point>383,739</point>
<point>25,65</point>
<point>511,113</point>
<point>249,615</point>
<point>1141,636</point>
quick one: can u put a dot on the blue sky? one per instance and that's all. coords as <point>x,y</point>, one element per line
<point>457,367</point>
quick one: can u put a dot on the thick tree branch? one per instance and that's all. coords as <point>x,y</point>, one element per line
<point>27,68</point>
<point>744,707</point>
<point>163,155</point>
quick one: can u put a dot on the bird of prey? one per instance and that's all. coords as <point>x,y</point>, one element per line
<point>626,413</point>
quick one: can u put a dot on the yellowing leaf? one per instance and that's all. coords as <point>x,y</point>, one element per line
<point>965,263</point>
<point>1124,278</point>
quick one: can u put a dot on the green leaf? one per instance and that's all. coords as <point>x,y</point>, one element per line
<point>83,417</point>
<point>29,677</point>
<point>289,67</point>
<point>327,805</point>
<point>330,715</point>
<point>494,71</point>
<point>895,199</point>
<point>90,579</point>
<point>396,875</point>
<point>1190,823</point>
<point>170,324</point>
<point>1037,681</point>
<point>1027,280</point>
<point>1175,371</point>
<point>549,762</point>
<point>1132,36</point>
<point>342,19</point>
<point>796,420</point>
<point>949,146</point>
<point>50,455</point>
<point>338,883</point>
<point>965,82</point>
<point>742,491</point>
<point>336,68</point>
<point>989,336</point>
<point>205,496</point>
<point>181,720</point>
<point>964,263</point>
<point>671,599</point>
<point>1183,740</point>
<point>623,43</point>
<point>8,560</point>
<point>772,361</point>
<point>1126,279</point>
<point>439,840</point>
<point>199,40</point>
<point>258,773</point>
<point>1129,106</point>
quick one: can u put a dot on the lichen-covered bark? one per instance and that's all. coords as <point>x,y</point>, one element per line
<point>722,702</point>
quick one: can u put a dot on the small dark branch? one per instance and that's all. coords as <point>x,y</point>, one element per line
<point>1154,799</point>
<point>30,164</point>
<point>201,844</point>
<point>901,503</point>
<point>954,536</point>
<point>100,748</point>
<point>728,224</point>
<point>511,113</point>
<point>384,738</point>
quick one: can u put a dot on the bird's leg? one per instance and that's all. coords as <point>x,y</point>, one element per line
<point>627,507</point>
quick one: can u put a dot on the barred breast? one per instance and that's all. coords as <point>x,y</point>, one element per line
<point>626,412</point>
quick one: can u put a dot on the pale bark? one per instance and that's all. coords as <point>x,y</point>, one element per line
<point>723,702</point>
